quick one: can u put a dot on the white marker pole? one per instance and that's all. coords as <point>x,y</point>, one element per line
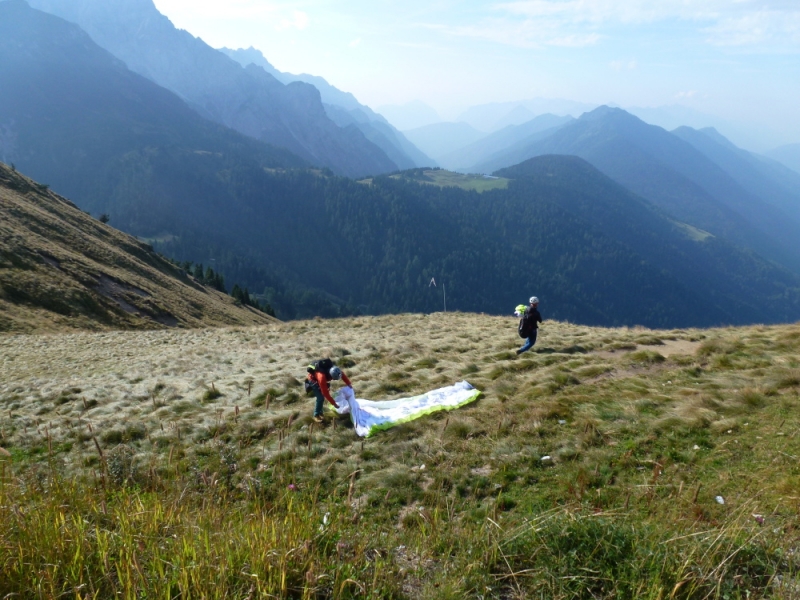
<point>444,293</point>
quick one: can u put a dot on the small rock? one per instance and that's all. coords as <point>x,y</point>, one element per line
<point>562,422</point>
<point>696,447</point>
<point>547,460</point>
<point>720,500</point>
<point>422,467</point>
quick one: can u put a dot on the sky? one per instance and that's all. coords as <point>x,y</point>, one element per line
<point>736,59</point>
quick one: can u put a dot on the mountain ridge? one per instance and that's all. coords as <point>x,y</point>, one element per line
<point>344,109</point>
<point>671,173</point>
<point>504,140</point>
<point>788,155</point>
<point>249,100</point>
<point>769,180</point>
<point>203,193</point>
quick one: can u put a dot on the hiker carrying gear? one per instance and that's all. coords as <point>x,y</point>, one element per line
<point>529,324</point>
<point>320,372</point>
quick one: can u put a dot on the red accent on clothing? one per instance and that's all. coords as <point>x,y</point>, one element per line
<point>322,381</point>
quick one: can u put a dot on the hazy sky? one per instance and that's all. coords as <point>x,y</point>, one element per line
<point>738,59</point>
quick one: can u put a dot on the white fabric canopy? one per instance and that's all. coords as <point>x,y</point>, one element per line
<point>369,417</point>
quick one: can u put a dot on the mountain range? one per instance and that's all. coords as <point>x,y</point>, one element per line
<point>494,116</point>
<point>318,243</point>
<point>497,115</point>
<point>344,110</point>
<point>78,120</point>
<point>459,145</point>
<point>788,155</point>
<point>247,99</point>
<point>505,140</point>
<point>675,175</point>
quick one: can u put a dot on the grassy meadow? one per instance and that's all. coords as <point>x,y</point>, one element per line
<point>607,463</point>
<point>444,178</point>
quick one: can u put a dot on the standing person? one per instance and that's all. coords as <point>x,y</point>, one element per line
<point>529,324</point>
<point>320,372</point>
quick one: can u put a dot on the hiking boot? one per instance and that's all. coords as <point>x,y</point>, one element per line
<point>318,419</point>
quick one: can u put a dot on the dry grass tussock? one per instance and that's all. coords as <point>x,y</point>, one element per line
<point>593,467</point>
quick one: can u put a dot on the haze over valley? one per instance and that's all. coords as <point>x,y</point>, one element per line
<point>212,214</point>
<point>217,157</point>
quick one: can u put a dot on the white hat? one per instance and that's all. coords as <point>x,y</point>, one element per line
<point>534,300</point>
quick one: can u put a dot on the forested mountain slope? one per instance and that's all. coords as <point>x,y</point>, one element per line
<point>77,119</point>
<point>562,230</point>
<point>60,269</point>
<point>766,179</point>
<point>315,243</point>
<point>672,174</point>
<point>248,100</point>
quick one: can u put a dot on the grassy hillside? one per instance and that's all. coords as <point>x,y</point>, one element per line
<point>609,463</point>
<point>61,269</point>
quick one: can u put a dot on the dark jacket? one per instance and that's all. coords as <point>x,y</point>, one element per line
<point>532,313</point>
<point>530,320</point>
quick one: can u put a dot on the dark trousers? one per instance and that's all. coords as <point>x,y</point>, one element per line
<point>320,401</point>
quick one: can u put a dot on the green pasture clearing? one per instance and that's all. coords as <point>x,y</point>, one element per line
<point>443,178</point>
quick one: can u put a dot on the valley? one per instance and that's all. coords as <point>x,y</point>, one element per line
<point>187,221</point>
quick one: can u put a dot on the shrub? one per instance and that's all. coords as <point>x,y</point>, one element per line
<point>211,394</point>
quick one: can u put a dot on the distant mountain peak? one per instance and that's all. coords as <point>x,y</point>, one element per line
<point>251,55</point>
<point>252,101</point>
<point>606,112</point>
<point>715,135</point>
